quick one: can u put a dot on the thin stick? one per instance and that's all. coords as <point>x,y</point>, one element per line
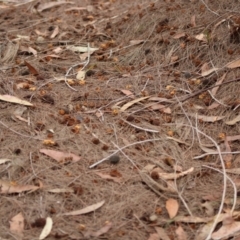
<point>23,135</point>
<point>233,184</point>
<point>225,105</point>
<point>209,8</point>
<point>137,127</point>
<point>224,180</point>
<point>214,153</point>
<point>120,149</point>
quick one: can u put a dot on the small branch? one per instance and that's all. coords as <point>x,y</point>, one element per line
<point>120,149</point>
<point>137,127</point>
<point>214,153</point>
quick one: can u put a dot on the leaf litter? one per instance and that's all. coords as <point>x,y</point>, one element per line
<point>164,67</point>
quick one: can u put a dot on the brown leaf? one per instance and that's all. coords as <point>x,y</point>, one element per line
<point>136,42</point>
<point>228,228</point>
<point>129,104</point>
<point>61,157</point>
<point>181,234</point>
<point>162,233</point>
<point>17,225</point>
<point>44,6</point>
<point>209,71</point>
<point>108,177</point>
<point>12,99</point>
<point>31,69</point>
<point>154,236</point>
<point>193,21</point>
<point>233,121</point>
<point>208,118</point>
<point>227,157</point>
<point>12,187</point>
<point>179,35</point>
<point>233,64</point>
<point>172,207</point>
<point>160,107</point>
<point>232,138</point>
<point>201,37</point>
<point>55,32</point>
<point>127,93</point>
<point>88,209</point>
<point>214,90</point>
<point>47,228</point>
<point>101,231</point>
<point>175,175</point>
<point>33,51</point>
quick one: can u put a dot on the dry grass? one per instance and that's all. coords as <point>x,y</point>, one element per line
<point>146,70</point>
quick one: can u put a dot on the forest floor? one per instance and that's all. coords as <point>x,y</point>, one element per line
<point>119,119</point>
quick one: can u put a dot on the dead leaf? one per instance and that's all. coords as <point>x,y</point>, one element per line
<point>191,219</point>
<point>214,90</point>
<point>51,56</point>
<point>55,32</point>
<point>181,234</point>
<point>201,37</point>
<point>101,231</point>
<point>31,69</point>
<point>83,56</point>
<point>39,33</point>
<point>232,138</point>
<point>207,118</point>
<point>170,176</point>
<point>193,21</point>
<point>204,67</point>
<point>17,225</point>
<point>233,64</point>
<point>179,35</point>
<point>127,93</point>
<point>173,59</point>
<point>172,207</point>
<point>44,6</point>
<point>129,104</point>
<point>233,170</point>
<point>154,236</point>
<point>209,208</point>
<point>88,209</point>
<point>136,42</point>
<point>162,233</point>
<point>61,190</point>
<point>33,51</point>
<point>17,114</point>
<point>160,107</point>
<point>208,72</point>
<point>12,99</point>
<point>108,177</point>
<point>81,75</point>
<point>213,105</point>
<point>57,50</point>
<point>227,157</point>
<point>159,99</point>
<point>178,140</point>
<point>61,157</point>
<point>228,229</point>
<point>233,121</point>
<point>12,187</point>
<point>47,228</point>
<point>82,49</point>
<point>203,232</point>
<point>4,160</point>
